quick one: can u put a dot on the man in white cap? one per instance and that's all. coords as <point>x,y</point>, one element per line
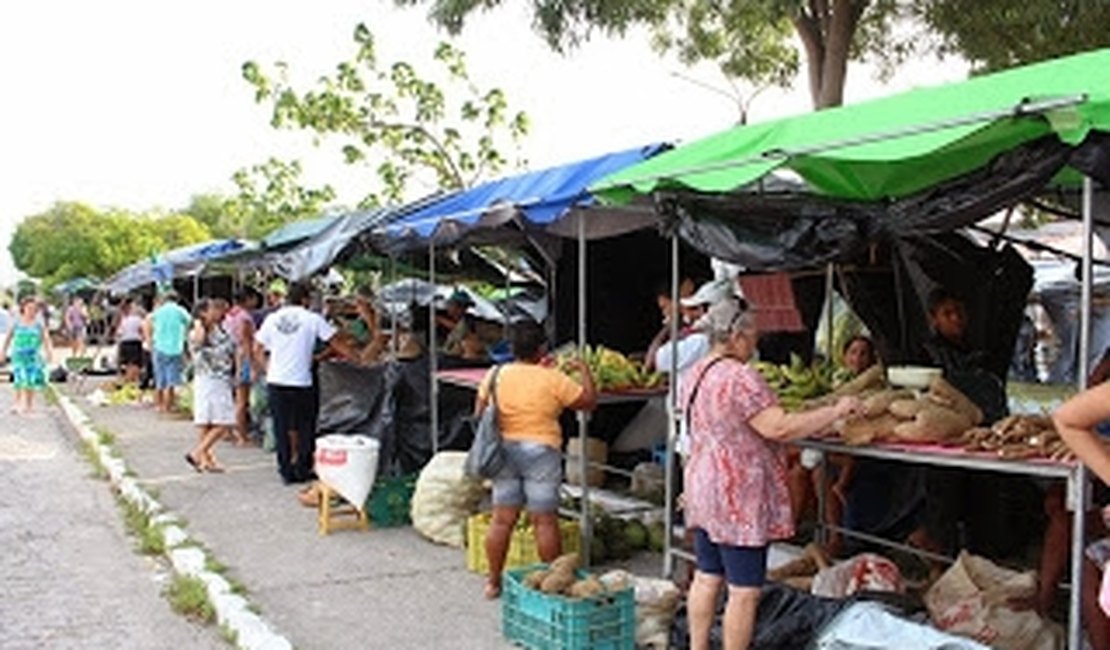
<point>692,344</point>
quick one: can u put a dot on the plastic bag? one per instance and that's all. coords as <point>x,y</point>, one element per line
<point>444,498</point>
<point>866,572</point>
<point>867,626</point>
<point>972,599</point>
<point>656,603</point>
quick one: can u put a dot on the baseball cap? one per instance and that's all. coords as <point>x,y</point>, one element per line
<point>461,297</point>
<point>709,293</point>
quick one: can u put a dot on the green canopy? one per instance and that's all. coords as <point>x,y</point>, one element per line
<point>894,146</point>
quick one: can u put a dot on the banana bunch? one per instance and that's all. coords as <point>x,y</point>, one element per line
<point>795,382</point>
<point>612,371</point>
<point>125,394</point>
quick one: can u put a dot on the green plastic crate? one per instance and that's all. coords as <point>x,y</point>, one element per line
<point>390,501</point>
<point>533,619</point>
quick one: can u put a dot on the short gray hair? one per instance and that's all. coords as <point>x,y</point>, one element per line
<point>726,318</point>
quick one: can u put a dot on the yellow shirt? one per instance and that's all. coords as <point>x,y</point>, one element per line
<point>530,399</point>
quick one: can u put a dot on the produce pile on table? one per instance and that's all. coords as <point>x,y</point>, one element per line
<point>939,415</point>
<point>795,382</point>
<point>1019,436</point>
<point>611,370</point>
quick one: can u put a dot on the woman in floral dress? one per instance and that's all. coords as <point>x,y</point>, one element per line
<point>736,495</point>
<point>213,349</point>
<point>27,340</point>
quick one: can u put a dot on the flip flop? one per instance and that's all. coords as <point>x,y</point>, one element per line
<point>215,469</point>
<point>194,462</point>
<point>492,591</point>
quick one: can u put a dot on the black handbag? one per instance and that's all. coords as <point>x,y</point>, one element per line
<point>486,457</point>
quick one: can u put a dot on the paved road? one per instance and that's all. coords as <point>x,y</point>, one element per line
<point>386,588</point>
<point>68,575</point>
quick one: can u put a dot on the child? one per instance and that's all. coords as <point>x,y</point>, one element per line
<point>27,339</point>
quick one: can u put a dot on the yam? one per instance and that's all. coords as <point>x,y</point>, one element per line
<point>933,423</point>
<point>945,393</point>
<point>878,403</point>
<point>863,431</point>
<point>534,579</point>
<point>561,574</point>
<point>905,409</point>
<point>586,588</point>
<point>873,377</point>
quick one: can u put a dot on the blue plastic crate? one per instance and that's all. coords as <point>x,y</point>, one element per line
<point>533,619</point>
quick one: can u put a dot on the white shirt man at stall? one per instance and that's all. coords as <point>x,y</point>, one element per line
<point>692,344</point>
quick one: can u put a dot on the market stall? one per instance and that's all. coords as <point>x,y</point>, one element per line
<point>902,168</point>
<point>187,261</point>
<point>535,209</point>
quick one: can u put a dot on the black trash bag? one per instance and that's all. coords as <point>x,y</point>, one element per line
<point>787,619</point>
<point>359,400</point>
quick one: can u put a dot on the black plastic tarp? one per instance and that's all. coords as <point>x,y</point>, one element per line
<point>388,402</point>
<point>792,229</point>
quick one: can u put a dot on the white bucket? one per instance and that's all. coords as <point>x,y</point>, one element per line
<point>348,464</point>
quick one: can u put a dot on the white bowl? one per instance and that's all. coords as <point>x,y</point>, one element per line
<point>912,376</point>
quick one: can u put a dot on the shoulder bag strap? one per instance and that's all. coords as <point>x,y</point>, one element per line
<point>493,386</point>
<point>694,390</point>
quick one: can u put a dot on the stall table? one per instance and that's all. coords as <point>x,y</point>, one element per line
<point>955,457</point>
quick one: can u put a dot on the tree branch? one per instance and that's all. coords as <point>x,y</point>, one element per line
<point>444,154</point>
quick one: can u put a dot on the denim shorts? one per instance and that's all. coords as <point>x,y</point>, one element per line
<point>531,477</point>
<point>167,370</point>
<point>742,566</point>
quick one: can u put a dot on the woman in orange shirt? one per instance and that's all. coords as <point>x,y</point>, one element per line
<point>530,399</point>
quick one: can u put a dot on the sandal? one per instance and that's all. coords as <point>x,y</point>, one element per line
<point>492,591</point>
<point>194,462</point>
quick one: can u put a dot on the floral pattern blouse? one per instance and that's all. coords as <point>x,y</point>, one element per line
<point>214,357</point>
<point>736,485</point>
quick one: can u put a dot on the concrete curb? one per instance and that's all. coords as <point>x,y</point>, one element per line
<point>233,611</point>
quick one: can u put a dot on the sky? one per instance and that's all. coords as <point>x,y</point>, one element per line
<point>140,104</point>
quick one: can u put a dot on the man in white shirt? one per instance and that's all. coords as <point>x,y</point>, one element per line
<point>692,344</point>
<point>290,335</point>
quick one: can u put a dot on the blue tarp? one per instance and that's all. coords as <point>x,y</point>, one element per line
<point>179,261</point>
<point>543,198</point>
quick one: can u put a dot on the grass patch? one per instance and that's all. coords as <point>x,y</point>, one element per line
<point>88,450</point>
<point>106,438</point>
<point>148,536</point>
<point>189,598</point>
<point>236,587</point>
<point>229,635</point>
<point>214,565</point>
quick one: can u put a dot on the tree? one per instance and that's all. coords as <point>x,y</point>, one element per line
<point>72,240</point>
<point>1006,33</point>
<point>404,124</point>
<point>748,39</point>
<point>269,196</point>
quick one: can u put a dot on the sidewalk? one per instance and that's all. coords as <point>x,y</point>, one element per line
<point>70,576</point>
<point>382,588</point>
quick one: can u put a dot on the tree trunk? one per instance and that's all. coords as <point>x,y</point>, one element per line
<point>828,41</point>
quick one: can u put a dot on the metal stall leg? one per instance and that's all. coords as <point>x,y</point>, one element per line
<point>1078,487</point>
<point>671,458</point>
<point>433,347</point>
<point>586,522</point>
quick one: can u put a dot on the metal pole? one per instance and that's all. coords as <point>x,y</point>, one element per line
<point>433,351</point>
<point>1078,485</point>
<point>583,416</point>
<point>392,316</point>
<point>830,289</point>
<point>670,459</point>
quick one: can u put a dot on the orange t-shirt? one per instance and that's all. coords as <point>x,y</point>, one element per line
<point>530,399</point>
